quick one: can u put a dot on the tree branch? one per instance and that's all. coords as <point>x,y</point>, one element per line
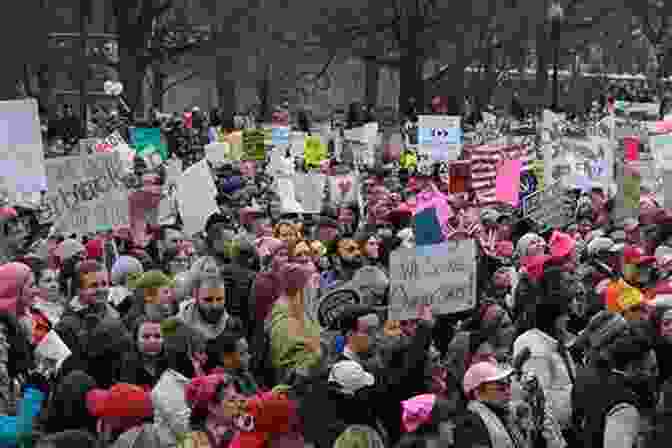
<point>185,78</point>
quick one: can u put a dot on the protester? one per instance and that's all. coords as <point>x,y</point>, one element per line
<point>264,319</point>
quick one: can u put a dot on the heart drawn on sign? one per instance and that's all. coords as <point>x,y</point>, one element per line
<point>345,184</point>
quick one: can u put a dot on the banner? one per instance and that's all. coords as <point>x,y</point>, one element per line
<point>21,150</point>
<point>85,193</point>
<point>442,275</point>
<point>148,140</point>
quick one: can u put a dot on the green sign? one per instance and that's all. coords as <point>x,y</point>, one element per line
<point>254,146</point>
<point>148,140</point>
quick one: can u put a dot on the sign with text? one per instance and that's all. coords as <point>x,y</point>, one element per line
<point>85,192</point>
<point>441,135</point>
<point>21,150</point>
<point>254,146</point>
<point>441,275</point>
<point>548,206</point>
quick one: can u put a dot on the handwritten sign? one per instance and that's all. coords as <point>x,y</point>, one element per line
<point>442,275</point>
<point>21,149</point>
<point>254,146</point>
<point>85,192</point>
<point>549,206</point>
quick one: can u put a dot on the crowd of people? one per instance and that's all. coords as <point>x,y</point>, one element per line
<point>211,340</point>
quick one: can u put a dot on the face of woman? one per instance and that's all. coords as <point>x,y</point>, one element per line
<point>150,340</point>
<point>93,287</point>
<point>160,304</point>
<point>30,291</point>
<point>372,248</point>
<point>497,393</point>
<point>227,409</point>
<point>302,254</point>
<point>287,233</point>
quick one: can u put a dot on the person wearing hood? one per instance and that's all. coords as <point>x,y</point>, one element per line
<point>18,291</point>
<point>18,409</point>
<point>13,233</point>
<point>230,354</point>
<point>214,400</point>
<point>531,250</point>
<point>69,252</point>
<point>125,272</point>
<point>295,344</point>
<point>266,287</point>
<point>206,312</point>
<point>225,247</point>
<point>614,414</point>
<point>67,408</point>
<point>547,341</point>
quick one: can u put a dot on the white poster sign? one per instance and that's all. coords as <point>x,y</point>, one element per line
<point>196,193</point>
<point>21,150</point>
<point>442,275</point>
<point>441,136</point>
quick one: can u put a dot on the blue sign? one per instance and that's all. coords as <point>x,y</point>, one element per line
<point>447,136</point>
<point>280,135</point>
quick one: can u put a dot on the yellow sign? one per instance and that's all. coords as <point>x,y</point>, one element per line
<point>537,169</point>
<point>315,151</point>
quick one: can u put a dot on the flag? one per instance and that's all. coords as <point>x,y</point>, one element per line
<point>484,162</point>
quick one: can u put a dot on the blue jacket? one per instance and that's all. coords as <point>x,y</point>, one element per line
<point>28,408</point>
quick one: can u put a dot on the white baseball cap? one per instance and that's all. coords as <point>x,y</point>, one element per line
<point>350,376</point>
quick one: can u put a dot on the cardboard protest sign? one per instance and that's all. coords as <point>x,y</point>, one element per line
<point>21,151</point>
<point>254,146</point>
<point>85,193</point>
<point>549,206</point>
<point>196,182</point>
<point>309,191</point>
<point>442,275</point>
<point>440,135</point>
<point>115,142</point>
<point>315,151</point>
<point>146,140</point>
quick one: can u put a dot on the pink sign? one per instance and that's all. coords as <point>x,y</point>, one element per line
<point>631,145</point>
<point>507,186</point>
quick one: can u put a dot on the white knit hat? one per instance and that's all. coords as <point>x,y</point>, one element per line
<point>350,376</point>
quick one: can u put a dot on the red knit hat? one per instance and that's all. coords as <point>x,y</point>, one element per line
<point>94,248</point>
<point>121,400</point>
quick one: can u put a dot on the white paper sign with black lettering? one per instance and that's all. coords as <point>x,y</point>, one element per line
<point>442,275</point>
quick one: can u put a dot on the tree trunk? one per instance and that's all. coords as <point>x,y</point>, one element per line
<point>226,89</point>
<point>26,37</point>
<point>158,86</point>
<point>542,65</point>
<point>264,92</point>
<point>372,72</point>
<point>132,75</point>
